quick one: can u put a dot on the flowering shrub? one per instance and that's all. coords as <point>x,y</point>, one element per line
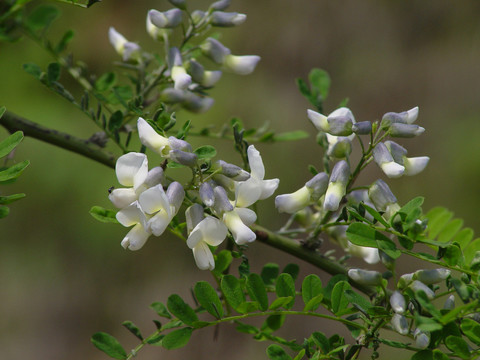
<point>433,311</point>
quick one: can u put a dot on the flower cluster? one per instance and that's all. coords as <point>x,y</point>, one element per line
<point>186,78</point>
<point>150,201</point>
<point>327,194</point>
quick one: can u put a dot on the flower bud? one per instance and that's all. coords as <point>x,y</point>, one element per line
<point>397,302</point>
<point>365,277</point>
<point>405,130</point>
<point>391,118</point>
<point>405,280</point>
<point>362,128</point>
<point>339,147</point>
<point>155,32</point>
<point>129,51</point>
<point>202,77</point>
<point>400,324</point>
<point>397,151</point>
<point>431,276</point>
<point>415,165</point>
<point>318,120</point>
<point>340,125</point>
<point>422,339</point>
<point>165,20</point>
<point>193,216</point>
<point>291,203</point>
<point>336,186</point>
<point>215,50</point>
<point>368,254</point>
<point>198,15</point>
<point>232,171</point>
<point>172,96</point>
<point>179,144</point>
<point>206,194</point>
<point>418,285</point>
<point>384,159</point>
<point>180,78</point>
<point>449,303</point>
<point>220,5</point>
<point>317,185</point>
<point>197,104</point>
<point>227,19</point>
<point>222,204</point>
<point>155,177</point>
<point>241,65</point>
<point>381,195</point>
<point>175,195</point>
<point>182,157</point>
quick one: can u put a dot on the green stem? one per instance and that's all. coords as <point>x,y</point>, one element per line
<point>296,249</point>
<point>13,122</point>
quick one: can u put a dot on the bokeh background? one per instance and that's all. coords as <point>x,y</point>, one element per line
<point>64,276</point>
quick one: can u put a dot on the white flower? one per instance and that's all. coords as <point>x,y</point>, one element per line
<point>291,203</point>
<point>415,165</point>
<point>133,215</point>
<point>132,171</point>
<point>255,188</point>
<point>161,206</point>
<point>241,65</point>
<point>238,221</point>
<point>127,49</point>
<point>385,160</point>
<point>180,78</point>
<point>209,231</point>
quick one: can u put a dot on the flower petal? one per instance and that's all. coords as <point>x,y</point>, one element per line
<point>132,169</point>
<point>415,165</point>
<point>158,223</point>
<point>248,192</point>
<point>256,163</point>
<point>291,203</point>
<point>213,230</point>
<point>150,138</point>
<point>242,234</point>
<point>203,257</point>
<point>136,238</point>
<point>122,197</point>
<point>154,199</point>
<point>248,216</point>
<point>131,215</point>
<point>268,188</point>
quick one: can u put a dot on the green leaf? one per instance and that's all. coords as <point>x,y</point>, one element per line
<point>115,121</point>
<point>300,355</point>
<point>311,287</point>
<point>13,171</point>
<point>64,41</point>
<point>412,206</point>
<point>291,136</point>
<point>303,87</point>
<point>181,310</point>
<point>275,322</point>
<point>313,303</point>
<point>232,290</point>
<point>208,298</point>
<point>321,341</point>
<point>256,290</point>
<point>41,17</point>
<point>339,300</point>
<point>109,345</point>
<point>464,237</point>
<point>7,145</point>
<point>177,338</point>
<point>4,200</point>
<point>471,249</point>
<point>453,255</point>
<point>427,324</point>
<point>275,352</point>
<point>104,215</point>
<point>439,355</point>
<point>358,301</point>
<point>160,309</point>
<point>394,344</point>
<point>389,248</point>
<point>376,215</point>
<point>280,302</point>
<point>426,304</point>
<point>449,231</point>
<point>292,269</point>
<point>205,152</point>
<point>4,211</point>
<point>269,273</point>
<point>319,83</point>
<point>106,81</point>
<point>471,329</point>
<point>2,111</point>
<point>437,218</point>
<point>422,355</point>
<point>222,261</point>
<point>284,287</point>
<point>362,235</point>
<point>247,307</point>
<point>53,72</point>
<point>33,69</point>
<point>133,329</point>
<point>458,346</point>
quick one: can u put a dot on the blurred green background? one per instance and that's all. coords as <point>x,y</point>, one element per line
<point>64,276</point>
